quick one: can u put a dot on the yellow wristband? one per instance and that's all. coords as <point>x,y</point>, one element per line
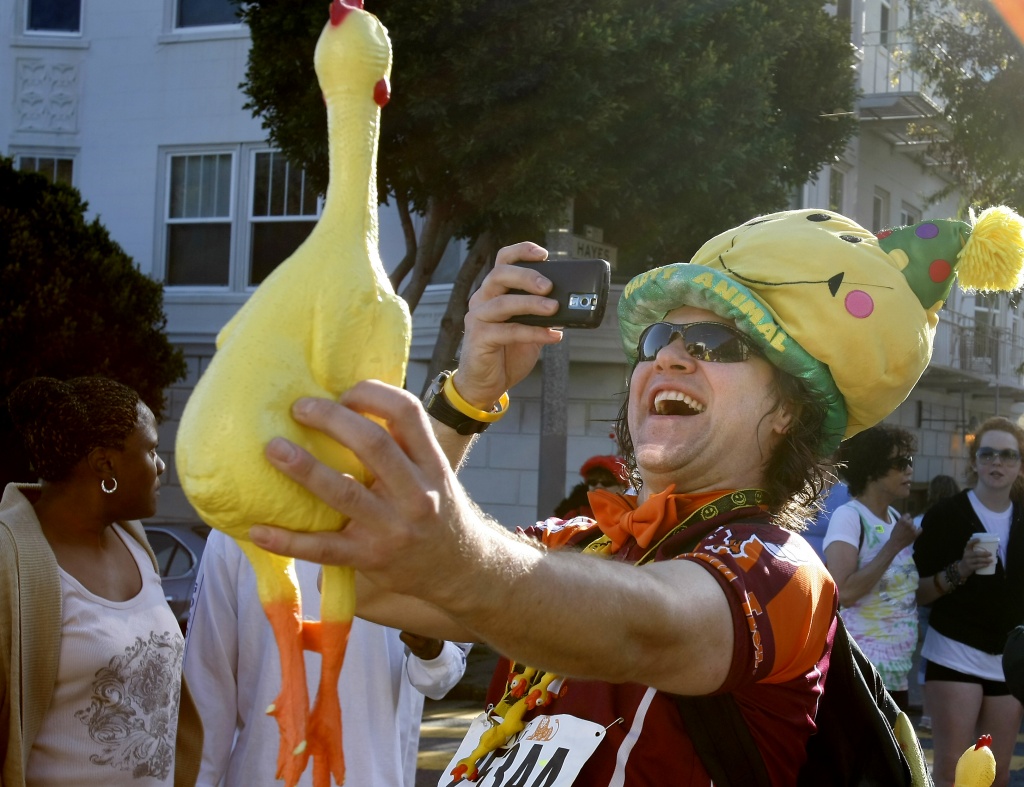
<point>464,407</point>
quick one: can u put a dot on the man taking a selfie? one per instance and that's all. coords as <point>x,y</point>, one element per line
<point>749,365</point>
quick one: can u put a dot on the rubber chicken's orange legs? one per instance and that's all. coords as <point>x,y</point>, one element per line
<point>278,590</point>
<point>337,606</point>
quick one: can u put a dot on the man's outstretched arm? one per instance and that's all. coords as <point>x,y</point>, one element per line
<point>416,534</point>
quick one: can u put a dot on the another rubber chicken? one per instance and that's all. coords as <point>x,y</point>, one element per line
<point>976,766</point>
<point>324,320</point>
<point>510,711</point>
<point>906,737</point>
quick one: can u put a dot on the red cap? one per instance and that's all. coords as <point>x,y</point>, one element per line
<point>613,464</point>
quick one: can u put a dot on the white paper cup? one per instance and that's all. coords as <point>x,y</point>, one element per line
<point>990,543</point>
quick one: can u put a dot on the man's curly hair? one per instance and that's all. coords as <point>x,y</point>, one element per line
<point>59,423</point>
<point>796,476</point>
<point>867,456</point>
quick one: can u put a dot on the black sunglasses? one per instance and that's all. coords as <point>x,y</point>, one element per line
<point>1007,455</point>
<point>901,463</point>
<point>705,341</point>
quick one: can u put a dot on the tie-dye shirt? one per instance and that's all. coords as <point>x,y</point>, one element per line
<point>884,620</point>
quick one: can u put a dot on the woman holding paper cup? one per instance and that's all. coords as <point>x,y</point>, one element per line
<point>970,557</point>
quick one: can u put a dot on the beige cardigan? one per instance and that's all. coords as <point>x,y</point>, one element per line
<point>30,631</point>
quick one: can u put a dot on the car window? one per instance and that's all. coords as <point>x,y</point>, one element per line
<point>172,556</point>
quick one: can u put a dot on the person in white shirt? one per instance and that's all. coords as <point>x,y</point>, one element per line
<point>233,668</point>
<point>867,551</point>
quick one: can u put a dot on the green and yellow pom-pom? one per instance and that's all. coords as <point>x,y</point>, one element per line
<point>993,257</point>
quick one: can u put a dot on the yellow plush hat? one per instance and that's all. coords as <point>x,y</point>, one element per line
<point>827,301</point>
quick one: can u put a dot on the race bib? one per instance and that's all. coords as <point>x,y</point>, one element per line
<point>549,752</point>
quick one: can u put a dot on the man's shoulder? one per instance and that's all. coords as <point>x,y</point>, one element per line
<point>749,539</point>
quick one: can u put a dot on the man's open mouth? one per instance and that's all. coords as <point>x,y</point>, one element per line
<point>676,403</point>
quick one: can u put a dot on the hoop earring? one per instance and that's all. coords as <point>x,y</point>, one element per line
<point>103,486</point>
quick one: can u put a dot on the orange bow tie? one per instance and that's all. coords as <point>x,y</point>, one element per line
<point>620,518</point>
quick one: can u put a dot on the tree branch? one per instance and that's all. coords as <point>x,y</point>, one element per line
<point>449,336</point>
<point>409,233</point>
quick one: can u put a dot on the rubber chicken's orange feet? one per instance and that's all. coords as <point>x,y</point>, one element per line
<point>324,734</point>
<point>293,751</point>
<point>324,730</point>
<point>461,771</point>
<point>291,708</point>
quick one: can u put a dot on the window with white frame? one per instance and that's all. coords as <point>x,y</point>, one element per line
<point>199,219</point>
<point>54,16</point>
<point>880,210</point>
<point>283,210</point>
<point>837,189</point>
<point>987,308</point>
<point>56,169</point>
<point>885,21</point>
<point>233,215</point>
<point>909,215</point>
<point>206,13</point>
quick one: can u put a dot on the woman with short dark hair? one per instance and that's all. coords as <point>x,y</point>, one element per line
<point>867,552</point>
<point>92,651</point>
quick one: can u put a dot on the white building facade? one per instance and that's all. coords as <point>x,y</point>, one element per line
<point>137,104</point>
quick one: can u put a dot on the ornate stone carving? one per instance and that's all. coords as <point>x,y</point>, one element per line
<point>46,96</point>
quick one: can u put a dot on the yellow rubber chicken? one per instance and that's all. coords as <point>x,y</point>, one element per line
<point>906,737</point>
<point>976,766</point>
<point>510,710</point>
<point>324,320</point>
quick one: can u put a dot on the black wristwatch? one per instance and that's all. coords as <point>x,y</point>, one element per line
<point>438,406</point>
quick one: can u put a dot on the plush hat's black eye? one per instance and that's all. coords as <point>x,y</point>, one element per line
<point>819,217</point>
<point>850,238</point>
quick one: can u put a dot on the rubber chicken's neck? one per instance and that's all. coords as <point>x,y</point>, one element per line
<point>353,64</point>
<point>350,205</point>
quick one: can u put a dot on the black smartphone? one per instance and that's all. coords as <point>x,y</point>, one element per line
<point>581,289</point>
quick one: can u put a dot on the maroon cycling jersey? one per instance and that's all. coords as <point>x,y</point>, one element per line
<point>783,602</point>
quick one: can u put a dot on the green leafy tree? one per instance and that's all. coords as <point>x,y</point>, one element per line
<point>72,303</point>
<point>976,65</point>
<point>665,121</point>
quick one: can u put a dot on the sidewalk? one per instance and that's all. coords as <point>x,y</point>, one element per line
<point>446,722</point>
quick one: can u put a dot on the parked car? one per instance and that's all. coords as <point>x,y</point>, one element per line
<point>178,547</point>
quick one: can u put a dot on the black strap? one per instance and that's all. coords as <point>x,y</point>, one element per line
<point>722,739</point>
<point>838,756</point>
<point>855,745</point>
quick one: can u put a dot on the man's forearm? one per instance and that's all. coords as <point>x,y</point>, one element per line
<point>584,617</point>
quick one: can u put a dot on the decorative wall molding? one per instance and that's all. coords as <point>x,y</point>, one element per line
<point>46,97</point>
